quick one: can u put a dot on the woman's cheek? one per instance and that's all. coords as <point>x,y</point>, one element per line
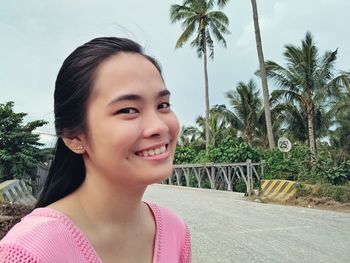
<point>175,126</point>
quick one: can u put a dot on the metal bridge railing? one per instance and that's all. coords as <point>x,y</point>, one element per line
<point>221,176</point>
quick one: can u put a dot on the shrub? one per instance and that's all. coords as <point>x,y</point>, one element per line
<point>337,175</point>
<point>201,157</point>
<point>193,181</point>
<point>184,154</point>
<point>232,150</point>
<point>293,165</point>
<point>335,192</point>
<point>240,186</point>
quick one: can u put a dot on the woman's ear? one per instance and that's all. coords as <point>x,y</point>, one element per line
<point>75,144</point>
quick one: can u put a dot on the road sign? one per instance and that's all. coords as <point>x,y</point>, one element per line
<point>284,145</point>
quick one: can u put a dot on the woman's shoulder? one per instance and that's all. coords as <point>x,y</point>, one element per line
<point>173,234</point>
<point>43,232</point>
<point>168,217</point>
<point>41,221</point>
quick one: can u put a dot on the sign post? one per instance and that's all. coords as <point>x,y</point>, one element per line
<point>284,145</point>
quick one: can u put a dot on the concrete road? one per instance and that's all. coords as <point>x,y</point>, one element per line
<point>227,228</point>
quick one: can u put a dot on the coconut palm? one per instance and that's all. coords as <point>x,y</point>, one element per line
<point>293,120</point>
<point>263,77</point>
<point>340,137</point>
<point>199,19</point>
<point>261,136</point>
<point>188,136</point>
<point>219,127</point>
<point>247,106</point>
<point>343,102</point>
<point>307,80</point>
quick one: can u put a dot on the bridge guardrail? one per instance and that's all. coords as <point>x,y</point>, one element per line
<point>221,176</point>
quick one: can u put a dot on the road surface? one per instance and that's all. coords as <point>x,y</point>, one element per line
<point>227,228</point>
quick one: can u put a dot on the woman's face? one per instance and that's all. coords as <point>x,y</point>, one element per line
<point>132,131</point>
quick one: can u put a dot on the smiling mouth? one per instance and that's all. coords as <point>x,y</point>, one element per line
<point>153,152</point>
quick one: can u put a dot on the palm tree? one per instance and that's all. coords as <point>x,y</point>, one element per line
<point>343,102</point>
<point>293,118</point>
<point>263,77</point>
<point>219,127</point>
<point>308,80</point>
<point>188,136</point>
<point>340,137</point>
<point>247,107</point>
<point>261,136</point>
<point>198,18</point>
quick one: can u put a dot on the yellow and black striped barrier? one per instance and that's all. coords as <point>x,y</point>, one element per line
<point>16,191</point>
<point>278,190</point>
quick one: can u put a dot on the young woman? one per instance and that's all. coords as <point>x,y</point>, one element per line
<point>116,135</point>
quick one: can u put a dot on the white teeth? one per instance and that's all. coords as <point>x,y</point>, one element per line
<point>152,152</point>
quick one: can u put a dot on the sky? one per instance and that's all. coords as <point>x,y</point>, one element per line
<point>37,35</point>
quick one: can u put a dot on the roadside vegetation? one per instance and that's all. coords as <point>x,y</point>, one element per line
<point>309,104</point>
<point>20,149</point>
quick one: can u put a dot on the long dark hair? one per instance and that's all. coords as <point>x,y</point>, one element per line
<point>72,91</point>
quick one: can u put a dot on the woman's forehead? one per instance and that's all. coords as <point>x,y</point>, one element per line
<point>127,73</point>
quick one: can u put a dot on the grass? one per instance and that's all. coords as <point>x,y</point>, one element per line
<point>339,193</point>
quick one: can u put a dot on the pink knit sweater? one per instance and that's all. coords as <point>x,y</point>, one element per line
<point>46,235</point>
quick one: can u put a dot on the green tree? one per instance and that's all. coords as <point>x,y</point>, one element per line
<point>293,117</point>
<point>187,136</point>
<point>247,108</point>
<point>261,136</point>
<point>306,79</point>
<point>342,121</point>
<point>19,152</point>
<point>265,87</point>
<point>219,127</point>
<point>198,18</point>
<point>343,102</point>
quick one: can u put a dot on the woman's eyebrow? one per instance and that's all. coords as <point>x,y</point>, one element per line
<point>136,97</point>
<point>164,93</point>
<point>125,97</point>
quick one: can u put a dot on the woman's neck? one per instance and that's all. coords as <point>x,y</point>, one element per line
<point>102,202</point>
<point>111,217</point>
<point>108,202</point>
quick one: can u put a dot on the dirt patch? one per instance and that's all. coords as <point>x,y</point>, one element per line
<point>324,203</point>
<point>11,214</point>
<point>320,203</point>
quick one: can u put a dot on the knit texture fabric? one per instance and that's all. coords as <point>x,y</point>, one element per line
<point>47,235</point>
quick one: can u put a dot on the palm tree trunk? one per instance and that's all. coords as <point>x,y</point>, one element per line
<point>207,134</point>
<point>249,134</point>
<point>311,131</point>
<point>265,87</point>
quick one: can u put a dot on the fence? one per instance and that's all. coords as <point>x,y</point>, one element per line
<point>220,176</point>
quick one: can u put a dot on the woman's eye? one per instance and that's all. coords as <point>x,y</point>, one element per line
<point>127,111</point>
<point>164,105</point>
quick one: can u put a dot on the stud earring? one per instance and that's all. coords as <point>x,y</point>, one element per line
<point>79,147</point>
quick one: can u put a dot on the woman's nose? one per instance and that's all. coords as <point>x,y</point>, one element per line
<point>155,125</point>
